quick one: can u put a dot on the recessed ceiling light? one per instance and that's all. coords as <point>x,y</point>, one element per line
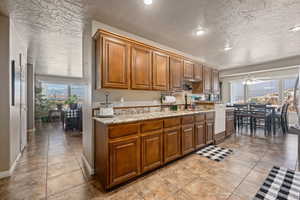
<point>295,28</point>
<point>148,2</point>
<point>200,32</point>
<point>227,48</point>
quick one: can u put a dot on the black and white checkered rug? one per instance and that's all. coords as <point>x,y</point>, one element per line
<point>282,184</point>
<point>214,152</point>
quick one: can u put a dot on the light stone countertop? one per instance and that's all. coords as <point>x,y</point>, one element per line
<point>147,116</point>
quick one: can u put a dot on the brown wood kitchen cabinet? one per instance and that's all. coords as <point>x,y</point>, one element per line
<point>124,63</point>
<point>152,144</point>
<point>176,74</point>
<point>126,150</point>
<point>230,129</point>
<point>141,68</point>
<point>172,137</point>
<point>187,134</point>
<point>215,81</point>
<point>198,76</point>
<point>187,139</point>
<point>115,62</point>
<point>124,160</point>
<point>188,69</point>
<point>152,150</point>
<point>207,82</point>
<point>200,131</point>
<point>210,128</point>
<point>160,71</point>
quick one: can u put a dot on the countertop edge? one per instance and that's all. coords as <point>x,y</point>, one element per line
<point>101,120</point>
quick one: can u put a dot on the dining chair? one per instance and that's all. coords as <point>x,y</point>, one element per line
<point>279,117</point>
<point>242,116</point>
<point>285,117</point>
<point>260,117</point>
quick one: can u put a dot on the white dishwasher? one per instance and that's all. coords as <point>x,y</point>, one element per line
<point>220,118</point>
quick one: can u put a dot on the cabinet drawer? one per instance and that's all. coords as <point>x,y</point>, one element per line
<point>210,116</point>
<point>151,126</point>
<point>123,130</point>
<point>188,119</point>
<point>200,118</point>
<point>171,122</point>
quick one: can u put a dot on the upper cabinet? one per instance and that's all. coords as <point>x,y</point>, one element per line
<point>176,74</point>
<point>215,81</point>
<point>160,71</point>
<point>188,70</point>
<point>207,82</point>
<point>198,75</point>
<point>128,64</point>
<point>141,67</point>
<point>115,63</point>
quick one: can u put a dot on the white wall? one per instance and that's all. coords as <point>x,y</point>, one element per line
<point>4,95</point>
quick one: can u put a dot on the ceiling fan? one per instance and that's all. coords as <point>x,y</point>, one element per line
<point>252,80</point>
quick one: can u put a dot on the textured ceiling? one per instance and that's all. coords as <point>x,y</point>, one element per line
<point>256,29</point>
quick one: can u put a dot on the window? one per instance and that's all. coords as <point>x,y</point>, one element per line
<point>237,92</point>
<point>264,92</point>
<point>55,92</point>
<point>288,92</point>
<point>78,90</point>
<point>59,93</point>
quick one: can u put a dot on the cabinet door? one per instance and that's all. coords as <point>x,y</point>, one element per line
<point>188,72</point>
<point>210,132</point>
<point>141,64</point>
<point>215,77</point>
<point>124,160</point>
<point>160,71</point>
<point>230,129</point>
<point>176,74</point>
<point>198,72</point>
<point>172,144</point>
<point>199,135</point>
<point>187,139</point>
<point>207,79</point>
<point>152,153</point>
<point>115,63</point>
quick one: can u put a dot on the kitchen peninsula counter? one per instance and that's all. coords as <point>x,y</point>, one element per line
<point>127,146</point>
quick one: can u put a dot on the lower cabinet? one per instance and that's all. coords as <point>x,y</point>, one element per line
<point>199,135</point>
<point>188,137</point>
<point>209,129</point>
<point>124,160</point>
<point>230,129</point>
<point>152,150</point>
<point>124,151</point>
<point>172,144</point>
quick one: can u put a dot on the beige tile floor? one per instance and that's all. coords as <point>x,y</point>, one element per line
<point>51,168</point>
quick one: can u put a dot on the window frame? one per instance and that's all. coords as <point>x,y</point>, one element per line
<point>246,89</point>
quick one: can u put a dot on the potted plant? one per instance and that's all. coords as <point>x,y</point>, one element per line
<point>72,102</point>
<point>41,106</point>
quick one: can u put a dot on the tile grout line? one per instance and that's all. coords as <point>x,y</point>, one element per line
<point>247,174</point>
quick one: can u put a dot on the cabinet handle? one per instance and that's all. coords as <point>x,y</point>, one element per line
<point>187,130</point>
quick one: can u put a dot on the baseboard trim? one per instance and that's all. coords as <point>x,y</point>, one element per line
<point>9,172</point>
<point>12,168</point>
<point>87,165</point>
<point>4,174</point>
